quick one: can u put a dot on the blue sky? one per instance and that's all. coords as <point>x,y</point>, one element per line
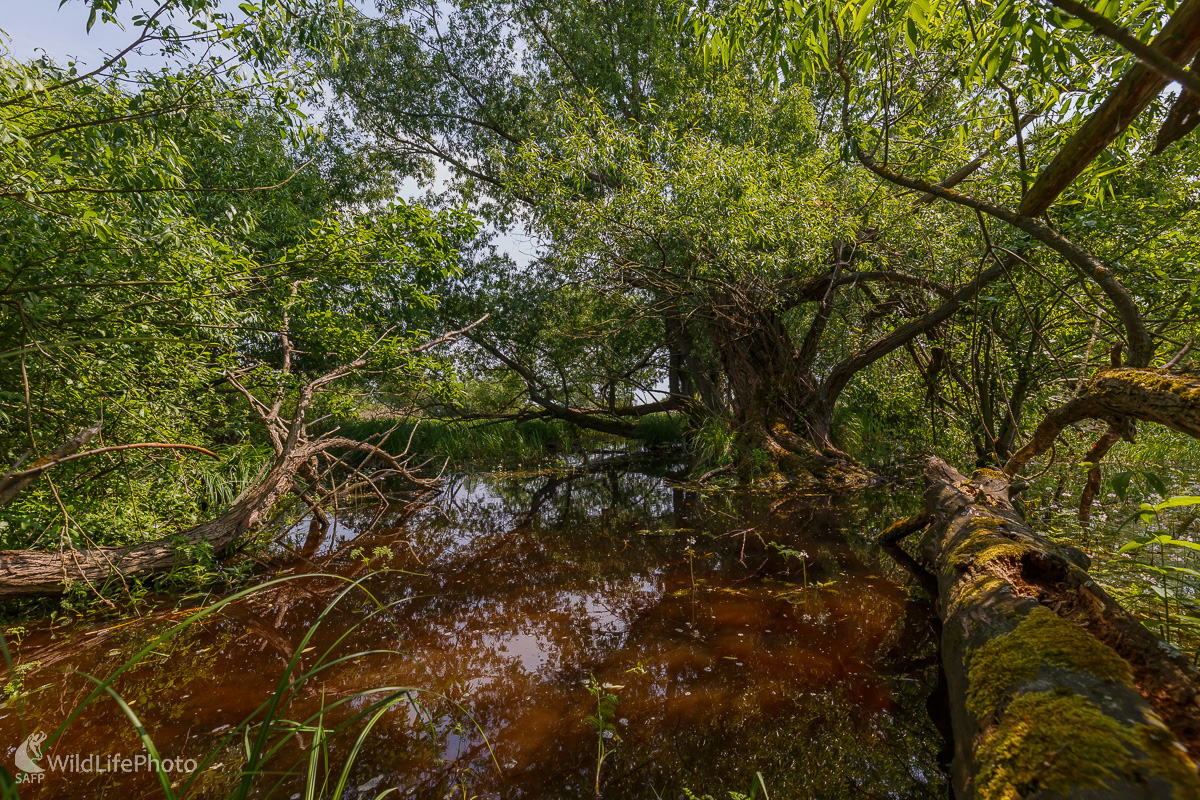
<point>40,25</point>
<point>32,27</point>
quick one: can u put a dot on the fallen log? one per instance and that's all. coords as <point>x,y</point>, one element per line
<point>1055,690</point>
<point>37,573</point>
<point>294,470</point>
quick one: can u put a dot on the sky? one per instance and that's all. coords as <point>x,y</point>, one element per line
<point>36,27</point>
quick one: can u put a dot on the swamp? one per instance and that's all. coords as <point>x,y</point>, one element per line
<point>600,399</point>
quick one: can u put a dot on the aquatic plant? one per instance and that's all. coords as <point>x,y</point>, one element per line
<point>264,733</point>
<point>790,553</point>
<point>711,445</point>
<point>758,783</point>
<point>659,430</point>
<point>606,732</point>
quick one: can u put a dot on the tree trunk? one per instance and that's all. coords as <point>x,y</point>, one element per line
<point>1055,690</point>
<point>780,424</point>
<point>33,573</point>
<point>30,573</point>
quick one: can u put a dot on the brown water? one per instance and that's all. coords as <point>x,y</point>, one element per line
<point>732,657</point>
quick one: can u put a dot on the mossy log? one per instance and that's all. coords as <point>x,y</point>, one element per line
<point>1117,395</point>
<point>1055,690</point>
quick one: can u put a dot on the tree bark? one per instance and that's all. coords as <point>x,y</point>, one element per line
<point>1178,41</point>
<point>777,425</point>
<point>1095,474</point>
<point>1117,395</point>
<point>1182,119</point>
<point>1055,690</point>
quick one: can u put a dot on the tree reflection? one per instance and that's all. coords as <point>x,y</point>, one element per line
<point>508,591</point>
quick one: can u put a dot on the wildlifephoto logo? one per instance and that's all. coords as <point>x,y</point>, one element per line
<point>29,753</point>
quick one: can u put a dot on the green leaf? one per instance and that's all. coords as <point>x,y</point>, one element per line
<point>860,17</point>
<point>1120,484</point>
<point>1155,483</point>
<point>1176,502</point>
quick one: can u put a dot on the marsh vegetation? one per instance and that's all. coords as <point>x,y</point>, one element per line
<point>503,399</point>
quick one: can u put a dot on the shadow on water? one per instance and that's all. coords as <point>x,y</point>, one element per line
<point>747,633</point>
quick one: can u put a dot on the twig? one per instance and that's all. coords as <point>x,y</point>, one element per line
<point>40,468</point>
<point>1182,354</point>
<point>446,337</point>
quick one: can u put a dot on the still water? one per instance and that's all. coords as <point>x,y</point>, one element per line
<point>740,633</point>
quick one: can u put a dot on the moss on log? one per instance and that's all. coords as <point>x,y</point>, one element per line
<point>1055,690</point>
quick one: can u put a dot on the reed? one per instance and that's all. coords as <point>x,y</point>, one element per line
<point>264,733</point>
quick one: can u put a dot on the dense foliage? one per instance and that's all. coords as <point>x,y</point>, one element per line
<point>321,254</point>
<point>803,239</point>
<point>159,232</point>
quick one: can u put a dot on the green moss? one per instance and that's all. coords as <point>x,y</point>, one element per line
<point>1168,760</point>
<point>1041,640</point>
<point>1052,742</point>
<point>970,591</point>
<point>978,547</point>
<point>995,550</point>
<point>1154,381</point>
<point>1058,742</point>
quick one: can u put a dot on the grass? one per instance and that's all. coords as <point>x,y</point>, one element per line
<point>1149,560</point>
<point>656,431</point>
<point>263,734</point>
<point>506,443</point>
<point>220,483</point>
<point>712,445</point>
<point>1157,446</point>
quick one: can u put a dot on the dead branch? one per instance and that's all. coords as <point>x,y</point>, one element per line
<point>12,483</point>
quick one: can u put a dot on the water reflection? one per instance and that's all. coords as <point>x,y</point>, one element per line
<point>748,633</point>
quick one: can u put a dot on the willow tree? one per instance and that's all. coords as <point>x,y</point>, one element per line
<point>694,202</point>
<point>178,282</point>
<point>1076,146</point>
